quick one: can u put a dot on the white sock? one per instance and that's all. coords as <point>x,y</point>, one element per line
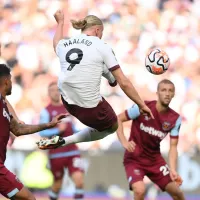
<point>86,135</point>
<point>53,195</point>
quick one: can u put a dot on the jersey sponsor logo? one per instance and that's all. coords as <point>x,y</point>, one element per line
<point>5,114</point>
<point>152,131</point>
<point>166,126</point>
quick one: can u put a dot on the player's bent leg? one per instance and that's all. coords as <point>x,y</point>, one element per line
<point>174,191</point>
<point>88,135</point>
<point>101,122</point>
<point>55,189</point>
<point>139,190</point>
<point>23,194</point>
<point>78,179</point>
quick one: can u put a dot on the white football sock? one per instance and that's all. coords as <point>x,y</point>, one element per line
<point>86,135</point>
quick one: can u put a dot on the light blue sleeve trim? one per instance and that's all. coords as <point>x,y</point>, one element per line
<point>13,193</point>
<point>175,130</point>
<point>133,112</point>
<point>45,118</point>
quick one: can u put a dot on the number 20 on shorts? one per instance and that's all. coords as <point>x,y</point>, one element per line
<point>164,169</point>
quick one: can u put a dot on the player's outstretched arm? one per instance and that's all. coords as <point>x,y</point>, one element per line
<point>111,62</point>
<point>59,17</point>
<point>130,146</point>
<point>24,129</point>
<point>127,87</point>
<point>130,91</point>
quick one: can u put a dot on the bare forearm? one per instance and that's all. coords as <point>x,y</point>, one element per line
<point>24,129</point>
<point>173,156</point>
<point>59,34</point>
<point>120,133</point>
<point>131,92</point>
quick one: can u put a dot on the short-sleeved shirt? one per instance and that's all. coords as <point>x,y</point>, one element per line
<point>147,133</point>
<point>5,118</point>
<point>82,59</point>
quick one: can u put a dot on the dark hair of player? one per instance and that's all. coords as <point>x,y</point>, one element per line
<point>165,81</point>
<point>4,71</point>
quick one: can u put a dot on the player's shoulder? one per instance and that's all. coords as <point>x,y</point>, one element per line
<point>62,41</point>
<point>48,107</point>
<point>46,110</point>
<point>150,103</point>
<point>99,42</point>
<point>173,112</point>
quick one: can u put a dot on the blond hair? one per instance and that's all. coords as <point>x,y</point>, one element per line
<point>87,22</point>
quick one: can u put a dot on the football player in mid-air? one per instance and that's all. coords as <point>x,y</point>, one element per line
<point>142,156</point>
<point>82,60</point>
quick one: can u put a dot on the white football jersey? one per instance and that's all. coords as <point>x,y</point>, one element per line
<point>82,59</point>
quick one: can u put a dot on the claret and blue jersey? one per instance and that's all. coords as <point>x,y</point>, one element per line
<point>46,116</point>
<point>147,133</point>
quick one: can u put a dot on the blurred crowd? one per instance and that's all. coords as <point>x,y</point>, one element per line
<point>132,27</point>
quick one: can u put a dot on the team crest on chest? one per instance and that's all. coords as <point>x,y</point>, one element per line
<point>147,118</point>
<point>54,112</point>
<point>166,126</point>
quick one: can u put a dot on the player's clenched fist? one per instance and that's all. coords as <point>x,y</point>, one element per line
<point>179,181</point>
<point>176,178</point>
<point>59,16</point>
<point>129,146</point>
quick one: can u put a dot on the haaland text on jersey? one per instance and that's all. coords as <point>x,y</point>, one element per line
<point>152,131</point>
<point>77,41</point>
